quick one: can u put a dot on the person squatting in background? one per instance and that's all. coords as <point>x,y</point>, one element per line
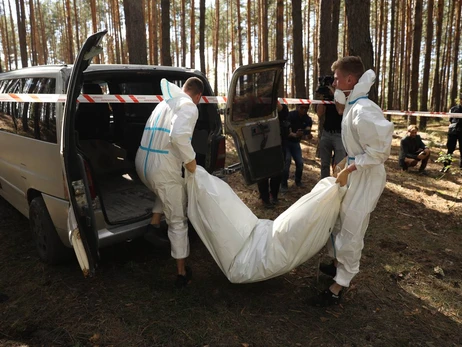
<point>269,187</point>
<point>165,147</point>
<point>366,136</point>
<point>413,150</point>
<point>300,127</point>
<point>331,137</point>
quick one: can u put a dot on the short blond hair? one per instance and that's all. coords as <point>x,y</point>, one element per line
<point>412,127</point>
<point>350,65</point>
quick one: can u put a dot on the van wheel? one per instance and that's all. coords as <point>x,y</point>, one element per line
<point>49,246</point>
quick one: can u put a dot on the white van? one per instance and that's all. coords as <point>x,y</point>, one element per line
<point>55,156</point>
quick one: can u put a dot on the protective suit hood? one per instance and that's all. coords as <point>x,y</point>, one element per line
<point>361,89</point>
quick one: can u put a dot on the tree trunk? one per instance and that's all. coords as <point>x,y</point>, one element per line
<point>427,62</point>
<point>359,38</point>
<point>15,50</point>
<point>307,52</point>
<point>239,33</point>
<point>202,34</point>
<point>6,40</point>
<point>21,16</point>
<point>166,58</point>
<point>455,55</point>
<point>264,30</point>
<point>70,39</point>
<point>77,24</point>
<point>249,31</point>
<point>192,43</point>
<point>436,90</point>
<point>415,66</point>
<point>297,34</point>
<point>215,44</point>
<point>183,32</point>
<point>136,32</point>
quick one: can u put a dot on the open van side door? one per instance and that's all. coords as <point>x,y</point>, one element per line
<point>251,119</point>
<point>84,237</point>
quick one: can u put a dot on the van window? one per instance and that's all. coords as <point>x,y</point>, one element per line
<point>254,95</point>
<point>35,120</point>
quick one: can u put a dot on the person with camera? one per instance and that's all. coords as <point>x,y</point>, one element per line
<point>454,135</point>
<point>330,137</point>
<point>300,127</point>
<point>366,136</point>
<point>413,150</point>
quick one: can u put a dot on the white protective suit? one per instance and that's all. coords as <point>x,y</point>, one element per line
<point>366,136</point>
<point>165,146</point>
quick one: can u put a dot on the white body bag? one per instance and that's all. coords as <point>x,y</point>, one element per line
<point>248,249</point>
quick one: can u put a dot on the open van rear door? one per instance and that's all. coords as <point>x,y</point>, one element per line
<point>84,235</point>
<point>251,119</point>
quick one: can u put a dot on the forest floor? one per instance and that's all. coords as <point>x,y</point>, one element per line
<point>408,292</point>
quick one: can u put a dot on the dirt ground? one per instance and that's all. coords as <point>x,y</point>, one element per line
<point>408,292</point>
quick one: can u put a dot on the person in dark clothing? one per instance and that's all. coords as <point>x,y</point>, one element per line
<point>269,187</point>
<point>331,138</point>
<point>300,127</point>
<point>413,150</point>
<point>454,135</point>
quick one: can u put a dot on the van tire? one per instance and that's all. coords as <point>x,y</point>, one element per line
<point>49,246</point>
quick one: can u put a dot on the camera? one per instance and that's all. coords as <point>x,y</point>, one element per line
<point>324,82</point>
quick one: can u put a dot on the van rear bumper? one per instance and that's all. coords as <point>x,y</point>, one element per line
<point>117,234</point>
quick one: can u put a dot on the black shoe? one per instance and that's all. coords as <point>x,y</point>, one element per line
<point>326,298</point>
<point>328,269</point>
<point>183,280</point>
<point>275,201</point>
<point>157,236</point>
<point>299,184</point>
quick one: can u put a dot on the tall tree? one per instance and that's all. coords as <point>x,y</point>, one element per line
<point>13,35</point>
<point>192,42</point>
<point>436,90</point>
<point>297,35</point>
<point>359,38</point>
<point>455,54</point>
<point>21,17</point>
<point>136,32</point>
<point>166,58</point>
<point>70,39</point>
<point>239,32</point>
<point>183,32</point>
<point>5,39</point>
<point>427,62</point>
<point>202,34</point>
<point>215,44</point>
<point>415,67</point>
<point>264,29</point>
<point>249,31</point>
<point>77,24</point>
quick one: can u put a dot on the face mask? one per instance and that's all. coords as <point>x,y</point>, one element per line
<point>339,96</point>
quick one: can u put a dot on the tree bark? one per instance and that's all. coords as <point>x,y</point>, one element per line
<point>166,58</point>
<point>455,54</point>
<point>359,38</point>
<point>202,34</point>
<point>297,34</point>
<point>21,18</point>
<point>192,43</point>
<point>415,64</point>
<point>436,90</point>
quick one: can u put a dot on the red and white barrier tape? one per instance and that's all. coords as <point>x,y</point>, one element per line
<point>151,99</point>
